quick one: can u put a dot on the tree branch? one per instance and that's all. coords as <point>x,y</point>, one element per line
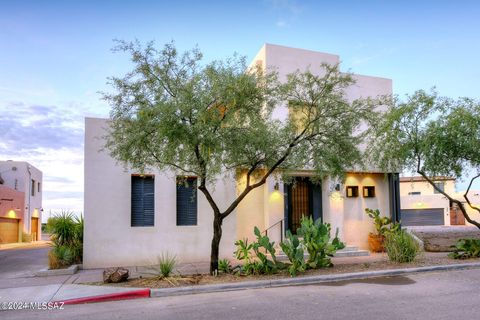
<point>466,194</point>
<point>458,202</point>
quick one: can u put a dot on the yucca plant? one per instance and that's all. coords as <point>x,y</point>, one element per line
<point>167,264</point>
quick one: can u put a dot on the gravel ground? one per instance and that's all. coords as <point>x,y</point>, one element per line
<point>341,265</point>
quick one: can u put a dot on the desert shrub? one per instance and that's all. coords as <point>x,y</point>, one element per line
<point>466,249</point>
<point>67,237</point>
<point>167,264</point>
<point>401,246</point>
<point>224,266</point>
<point>294,251</point>
<point>60,257</point>
<point>316,240</point>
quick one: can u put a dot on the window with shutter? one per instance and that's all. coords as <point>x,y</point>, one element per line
<point>186,201</point>
<point>143,201</point>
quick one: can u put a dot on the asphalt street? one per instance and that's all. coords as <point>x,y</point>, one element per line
<point>438,295</point>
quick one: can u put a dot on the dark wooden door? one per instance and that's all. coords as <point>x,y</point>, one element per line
<point>300,203</point>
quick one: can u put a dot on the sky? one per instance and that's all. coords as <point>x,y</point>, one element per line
<point>55,58</point>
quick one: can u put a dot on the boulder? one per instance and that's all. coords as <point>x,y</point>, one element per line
<point>115,275</point>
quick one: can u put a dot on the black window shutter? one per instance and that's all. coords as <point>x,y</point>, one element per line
<point>186,201</point>
<point>143,203</point>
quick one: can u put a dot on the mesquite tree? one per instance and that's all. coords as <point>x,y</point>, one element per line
<point>174,112</point>
<point>432,136</point>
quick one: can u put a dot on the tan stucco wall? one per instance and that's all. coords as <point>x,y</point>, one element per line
<point>474,197</point>
<point>348,214</point>
<point>109,239</point>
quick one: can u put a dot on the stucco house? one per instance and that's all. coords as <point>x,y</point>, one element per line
<point>422,205</point>
<point>20,201</point>
<point>131,219</point>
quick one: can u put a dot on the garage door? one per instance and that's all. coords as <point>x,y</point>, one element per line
<point>422,217</point>
<point>34,229</point>
<point>8,230</point>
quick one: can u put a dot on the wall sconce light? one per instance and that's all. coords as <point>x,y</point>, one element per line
<point>276,186</point>
<point>337,187</point>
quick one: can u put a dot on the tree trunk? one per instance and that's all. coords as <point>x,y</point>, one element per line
<point>217,236</point>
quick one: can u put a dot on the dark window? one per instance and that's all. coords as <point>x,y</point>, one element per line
<point>439,185</point>
<point>352,191</point>
<point>186,201</point>
<point>143,203</point>
<point>39,188</point>
<point>33,187</point>
<point>369,192</point>
<point>414,193</point>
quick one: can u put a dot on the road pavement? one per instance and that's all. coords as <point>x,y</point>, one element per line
<point>436,295</point>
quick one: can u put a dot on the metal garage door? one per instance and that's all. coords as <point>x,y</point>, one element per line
<point>422,217</point>
<point>8,230</point>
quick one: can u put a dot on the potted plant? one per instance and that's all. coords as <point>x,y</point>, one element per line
<point>382,226</point>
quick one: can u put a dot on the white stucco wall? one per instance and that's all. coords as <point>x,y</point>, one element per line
<point>109,239</point>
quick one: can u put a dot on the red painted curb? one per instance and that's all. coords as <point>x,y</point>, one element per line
<point>136,294</point>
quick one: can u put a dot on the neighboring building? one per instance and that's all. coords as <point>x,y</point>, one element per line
<point>131,219</point>
<point>20,201</point>
<point>474,197</point>
<point>422,205</point>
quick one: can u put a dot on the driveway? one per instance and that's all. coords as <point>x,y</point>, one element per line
<point>22,262</point>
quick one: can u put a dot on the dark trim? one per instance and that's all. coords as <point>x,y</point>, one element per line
<point>317,201</point>
<point>394,196</point>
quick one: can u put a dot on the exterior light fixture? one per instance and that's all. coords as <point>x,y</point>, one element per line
<point>337,187</point>
<point>276,186</point>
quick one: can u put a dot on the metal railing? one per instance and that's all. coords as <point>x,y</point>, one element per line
<point>273,225</point>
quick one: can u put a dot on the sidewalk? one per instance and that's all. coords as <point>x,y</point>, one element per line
<point>25,245</point>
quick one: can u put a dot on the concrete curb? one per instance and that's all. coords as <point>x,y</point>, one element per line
<point>58,272</point>
<point>136,294</point>
<point>165,292</point>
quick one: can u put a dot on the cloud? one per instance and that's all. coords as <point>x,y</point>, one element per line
<point>27,129</point>
<point>287,11</point>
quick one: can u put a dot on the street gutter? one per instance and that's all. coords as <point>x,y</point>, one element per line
<point>273,283</point>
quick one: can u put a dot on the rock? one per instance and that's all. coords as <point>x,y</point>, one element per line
<point>115,275</point>
<point>442,238</point>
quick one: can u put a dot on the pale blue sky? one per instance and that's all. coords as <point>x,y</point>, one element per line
<point>55,56</point>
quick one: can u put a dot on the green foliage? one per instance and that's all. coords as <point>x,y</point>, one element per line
<point>60,257</point>
<point>166,264</point>
<point>383,225</point>
<point>316,240</point>
<point>430,135</point>
<point>173,111</point>
<point>294,251</point>
<point>67,236</point>
<point>466,249</point>
<point>263,244</point>
<point>260,264</point>
<point>401,246</point>
<point>224,266</point>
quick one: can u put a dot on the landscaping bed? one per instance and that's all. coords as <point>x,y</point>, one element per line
<point>341,265</point>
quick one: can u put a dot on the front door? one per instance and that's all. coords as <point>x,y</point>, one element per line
<point>302,199</point>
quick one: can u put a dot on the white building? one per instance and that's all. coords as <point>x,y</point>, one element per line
<point>116,235</point>
<point>20,180</point>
